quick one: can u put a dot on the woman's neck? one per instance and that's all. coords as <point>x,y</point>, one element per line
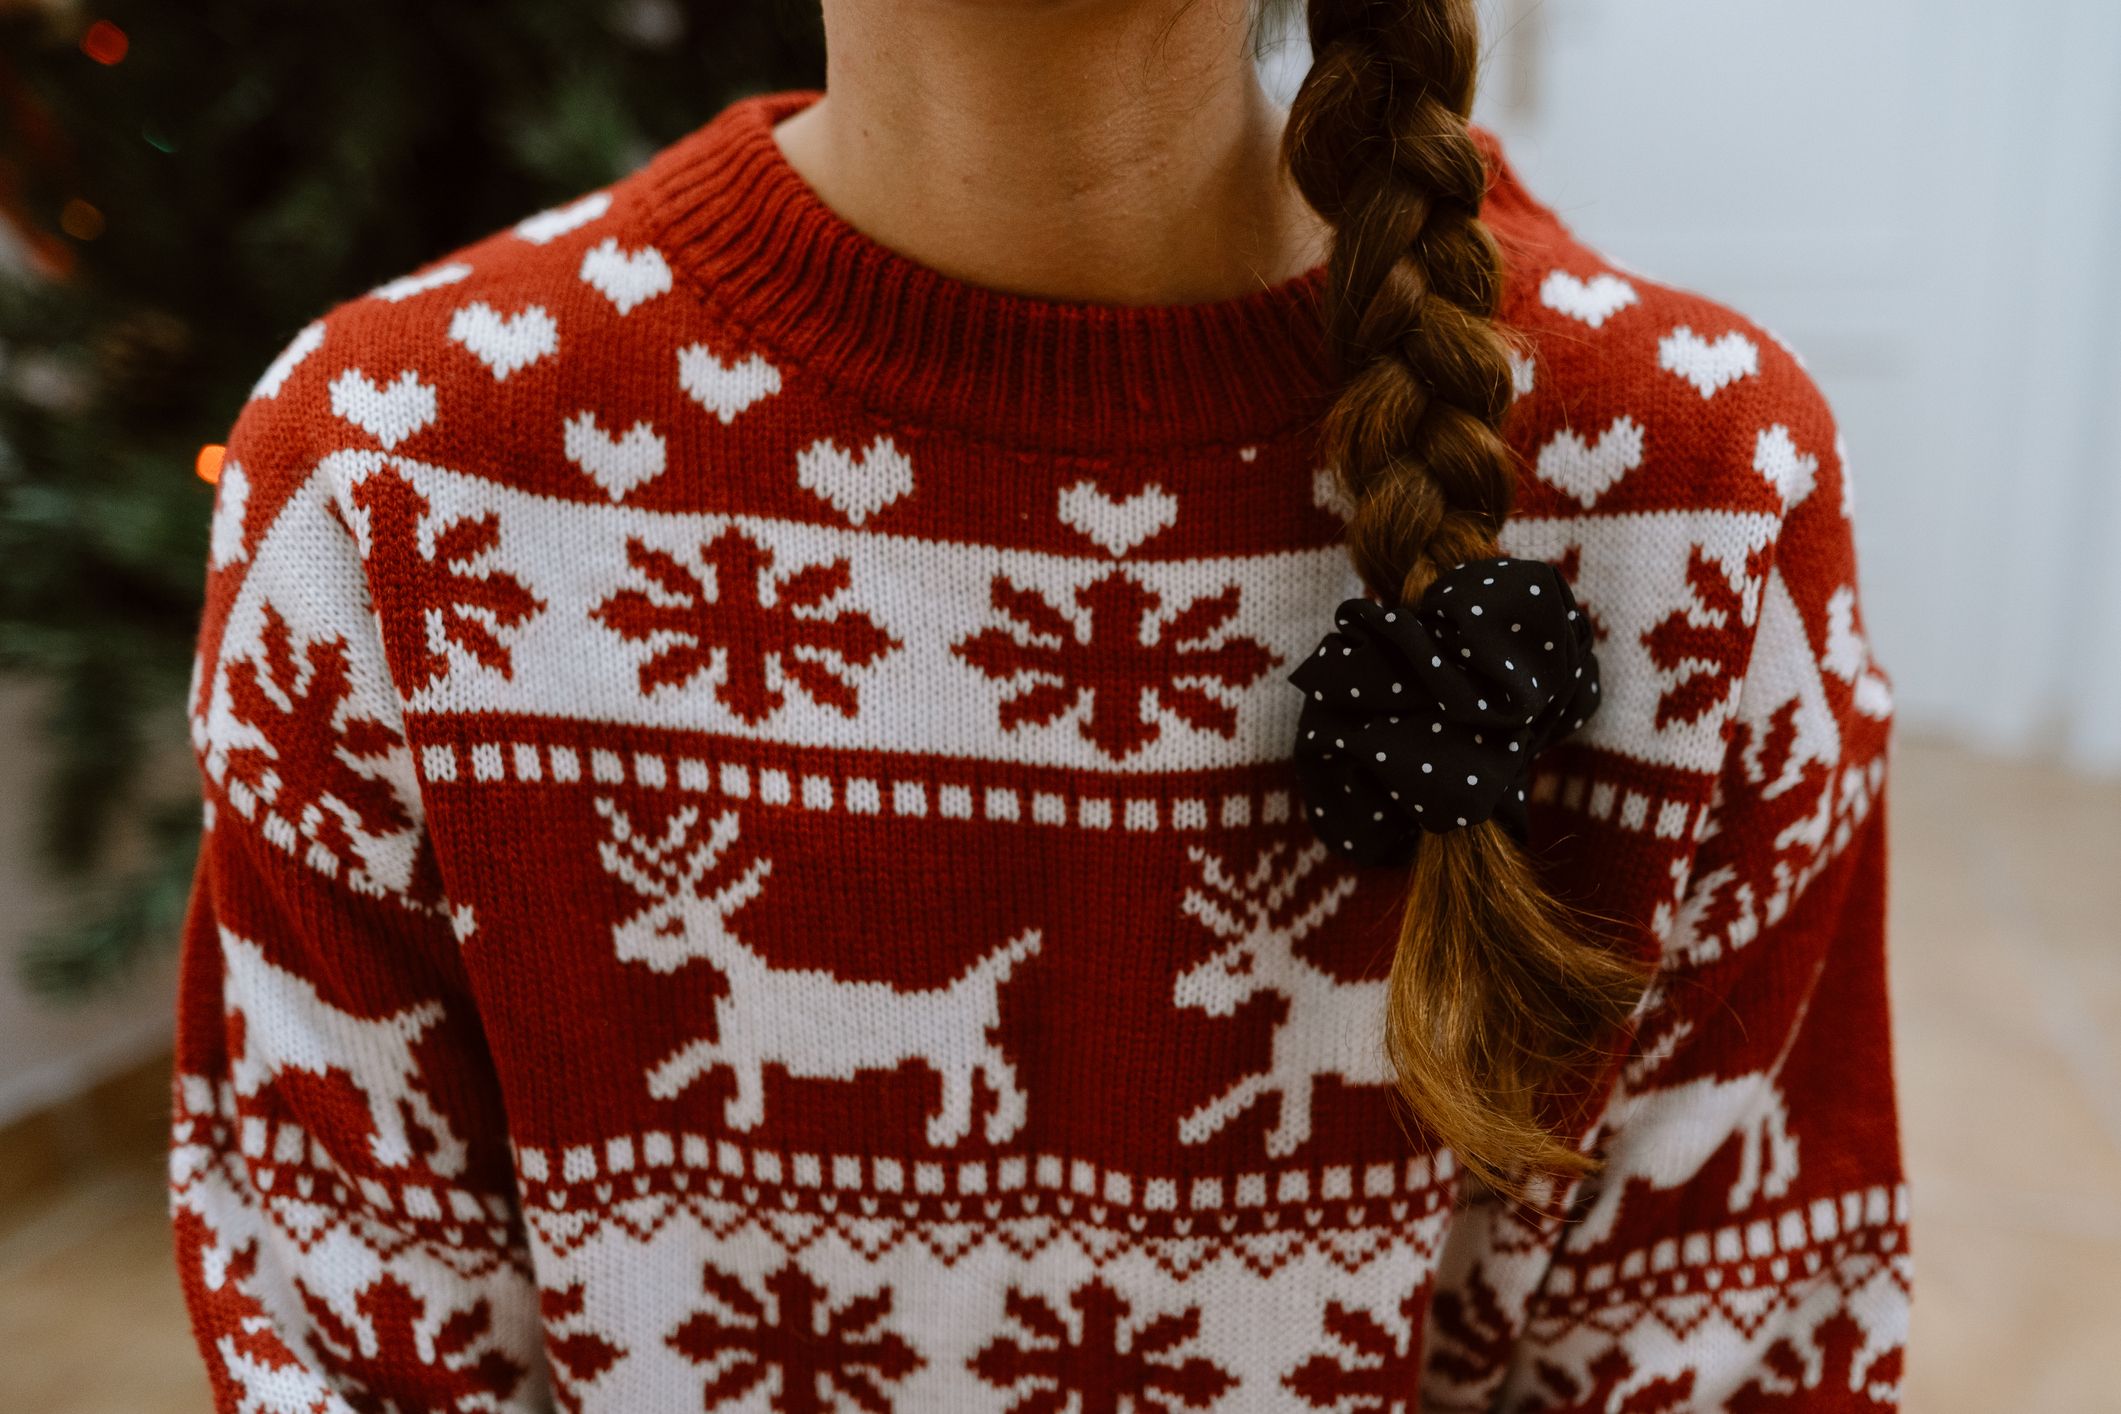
<point>1117,151</point>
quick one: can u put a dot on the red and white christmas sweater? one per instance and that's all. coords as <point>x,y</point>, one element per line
<point>752,858</point>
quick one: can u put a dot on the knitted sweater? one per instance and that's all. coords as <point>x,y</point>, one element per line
<point>752,859</point>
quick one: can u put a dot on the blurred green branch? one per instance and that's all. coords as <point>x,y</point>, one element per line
<point>179,213</point>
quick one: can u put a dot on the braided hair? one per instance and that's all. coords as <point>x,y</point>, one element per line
<point>1497,999</point>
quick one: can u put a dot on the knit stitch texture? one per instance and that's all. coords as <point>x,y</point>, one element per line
<point>753,859</point>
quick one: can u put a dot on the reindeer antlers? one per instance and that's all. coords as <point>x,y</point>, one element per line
<point>1263,894</point>
<point>665,868</point>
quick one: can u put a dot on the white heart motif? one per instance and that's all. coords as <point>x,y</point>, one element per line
<point>1709,367</point>
<point>389,414</point>
<point>618,464</point>
<point>406,286</point>
<point>284,363</point>
<point>628,278</point>
<point>551,225</point>
<point>1524,372</point>
<point>1791,472</point>
<point>231,503</point>
<point>1119,526</point>
<point>1329,495</point>
<point>725,389</point>
<point>505,345</point>
<point>1586,470</point>
<point>857,484</point>
<point>1594,301</point>
<point>1848,481</point>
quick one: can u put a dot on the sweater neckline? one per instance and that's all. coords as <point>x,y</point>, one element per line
<point>914,345</point>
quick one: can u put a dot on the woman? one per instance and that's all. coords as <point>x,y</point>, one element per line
<point>834,782</point>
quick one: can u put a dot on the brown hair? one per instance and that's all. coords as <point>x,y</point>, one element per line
<point>1497,997</point>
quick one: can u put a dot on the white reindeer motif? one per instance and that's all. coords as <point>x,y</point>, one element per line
<point>287,1028</point>
<point>1663,1135</point>
<point>1332,1027</point>
<point>805,1020</point>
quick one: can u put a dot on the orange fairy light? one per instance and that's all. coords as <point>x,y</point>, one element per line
<point>209,463</point>
<point>105,43</point>
<point>81,220</point>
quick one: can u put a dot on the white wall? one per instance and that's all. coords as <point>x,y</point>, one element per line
<point>1924,197</point>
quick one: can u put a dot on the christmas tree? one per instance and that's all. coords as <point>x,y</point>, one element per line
<point>181,188</point>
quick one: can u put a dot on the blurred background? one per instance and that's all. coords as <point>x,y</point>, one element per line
<point>1922,196</point>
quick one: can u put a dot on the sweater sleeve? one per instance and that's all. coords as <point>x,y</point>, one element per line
<point>1744,1246</point>
<point>344,1218</point>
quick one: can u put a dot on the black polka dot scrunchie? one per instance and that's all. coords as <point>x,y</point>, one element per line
<point>1428,720</point>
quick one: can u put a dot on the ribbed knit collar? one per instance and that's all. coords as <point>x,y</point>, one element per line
<point>734,218</point>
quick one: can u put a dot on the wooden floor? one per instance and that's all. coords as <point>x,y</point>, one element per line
<point>2007,979</point>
